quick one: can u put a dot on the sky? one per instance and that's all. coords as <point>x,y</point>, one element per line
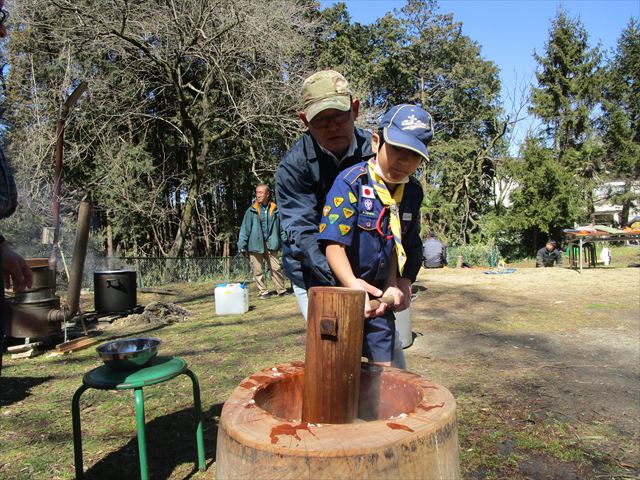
<point>509,31</point>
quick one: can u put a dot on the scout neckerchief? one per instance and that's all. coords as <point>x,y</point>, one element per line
<point>393,202</point>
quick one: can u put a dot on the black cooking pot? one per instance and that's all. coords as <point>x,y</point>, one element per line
<point>115,291</point>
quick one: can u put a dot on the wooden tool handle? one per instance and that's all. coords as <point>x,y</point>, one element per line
<point>388,299</point>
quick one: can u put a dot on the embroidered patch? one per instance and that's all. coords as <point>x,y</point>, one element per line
<point>344,229</point>
<point>333,218</point>
<point>337,201</point>
<point>367,192</point>
<point>407,216</point>
<point>326,210</point>
<point>347,212</point>
<point>352,198</point>
<point>367,214</point>
<point>368,204</point>
<point>322,227</point>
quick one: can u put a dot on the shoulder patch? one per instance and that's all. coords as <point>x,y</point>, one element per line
<point>352,198</point>
<point>354,173</point>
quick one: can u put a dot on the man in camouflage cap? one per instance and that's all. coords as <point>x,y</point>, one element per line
<point>330,144</point>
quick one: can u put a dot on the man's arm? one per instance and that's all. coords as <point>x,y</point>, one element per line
<point>411,241</point>
<point>245,231</point>
<point>297,204</point>
<point>16,271</point>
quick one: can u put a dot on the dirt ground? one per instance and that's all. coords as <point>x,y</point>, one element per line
<point>544,365</point>
<point>538,346</point>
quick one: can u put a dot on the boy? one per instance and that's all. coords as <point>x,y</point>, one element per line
<point>371,222</point>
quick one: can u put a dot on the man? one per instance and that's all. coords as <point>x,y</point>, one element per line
<point>434,253</point>
<point>307,171</point>
<point>548,255</point>
<point>13,268</point>
<point>260,235</point>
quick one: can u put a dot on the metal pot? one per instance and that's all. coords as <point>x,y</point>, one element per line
<point>115,291</point>
<point>30,319</point>
<point>43,278</point>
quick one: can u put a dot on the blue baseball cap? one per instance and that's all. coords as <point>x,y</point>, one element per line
<point>408,126</point>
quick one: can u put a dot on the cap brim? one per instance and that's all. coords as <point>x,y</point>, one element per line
<point>338,102</point>
<point>401,140</point>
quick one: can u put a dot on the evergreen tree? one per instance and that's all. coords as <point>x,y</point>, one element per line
<point>568,84</point>
<point>621,120</point>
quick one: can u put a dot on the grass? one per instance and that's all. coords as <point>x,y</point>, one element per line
<point>503,427</point>
<point>36,420</point>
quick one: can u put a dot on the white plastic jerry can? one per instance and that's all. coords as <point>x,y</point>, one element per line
<point>231,298</point>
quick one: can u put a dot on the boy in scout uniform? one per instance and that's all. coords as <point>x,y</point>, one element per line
<point>370,223</point>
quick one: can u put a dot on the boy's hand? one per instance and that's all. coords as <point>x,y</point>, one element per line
<point>398,297</point>
<point>369,311</point>
<point>404,285</point>
<point>370,289</point>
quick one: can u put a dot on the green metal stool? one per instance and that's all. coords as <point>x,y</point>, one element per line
<point>159,370</point>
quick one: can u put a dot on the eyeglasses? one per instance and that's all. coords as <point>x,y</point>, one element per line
<point>339,118</point>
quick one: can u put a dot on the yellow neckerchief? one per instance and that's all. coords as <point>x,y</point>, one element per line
<point>393,202</point>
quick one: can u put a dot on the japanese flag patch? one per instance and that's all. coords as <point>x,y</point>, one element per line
<point>367,192</point>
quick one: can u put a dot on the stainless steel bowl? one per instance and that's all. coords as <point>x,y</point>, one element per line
<point>128,353</point>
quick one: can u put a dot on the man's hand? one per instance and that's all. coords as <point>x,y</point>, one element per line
<point>16,271</point>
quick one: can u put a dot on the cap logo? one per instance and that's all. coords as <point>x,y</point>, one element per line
<point>413,123</point>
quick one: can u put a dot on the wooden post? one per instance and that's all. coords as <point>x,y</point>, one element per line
<point>334,349</point>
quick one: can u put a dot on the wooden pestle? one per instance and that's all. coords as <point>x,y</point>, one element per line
<point>388,299</point>
<point>333,355</point>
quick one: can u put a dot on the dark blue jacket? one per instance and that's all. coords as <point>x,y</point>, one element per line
<point>354,216</point>
<point>303,179</point>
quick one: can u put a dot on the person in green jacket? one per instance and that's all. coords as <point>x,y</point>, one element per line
<point>261,236</point>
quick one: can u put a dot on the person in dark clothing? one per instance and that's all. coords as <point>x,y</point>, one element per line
<point>549,255</point>
<point>304,176</point>
<point>434,252</point>
<point>14,270</point>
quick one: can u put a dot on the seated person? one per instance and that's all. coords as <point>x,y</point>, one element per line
<point>371,223</point>
<point>434,252</point>
<point>549,254</point>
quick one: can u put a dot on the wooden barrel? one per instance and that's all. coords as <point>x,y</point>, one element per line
<point>407,429</point>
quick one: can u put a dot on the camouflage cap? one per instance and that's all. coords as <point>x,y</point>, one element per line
<point>323,90</point>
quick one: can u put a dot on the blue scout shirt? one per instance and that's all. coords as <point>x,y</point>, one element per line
<point>303,178</point>
<point>353,216</point>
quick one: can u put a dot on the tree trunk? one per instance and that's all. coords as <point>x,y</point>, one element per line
<point>109,235</point>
